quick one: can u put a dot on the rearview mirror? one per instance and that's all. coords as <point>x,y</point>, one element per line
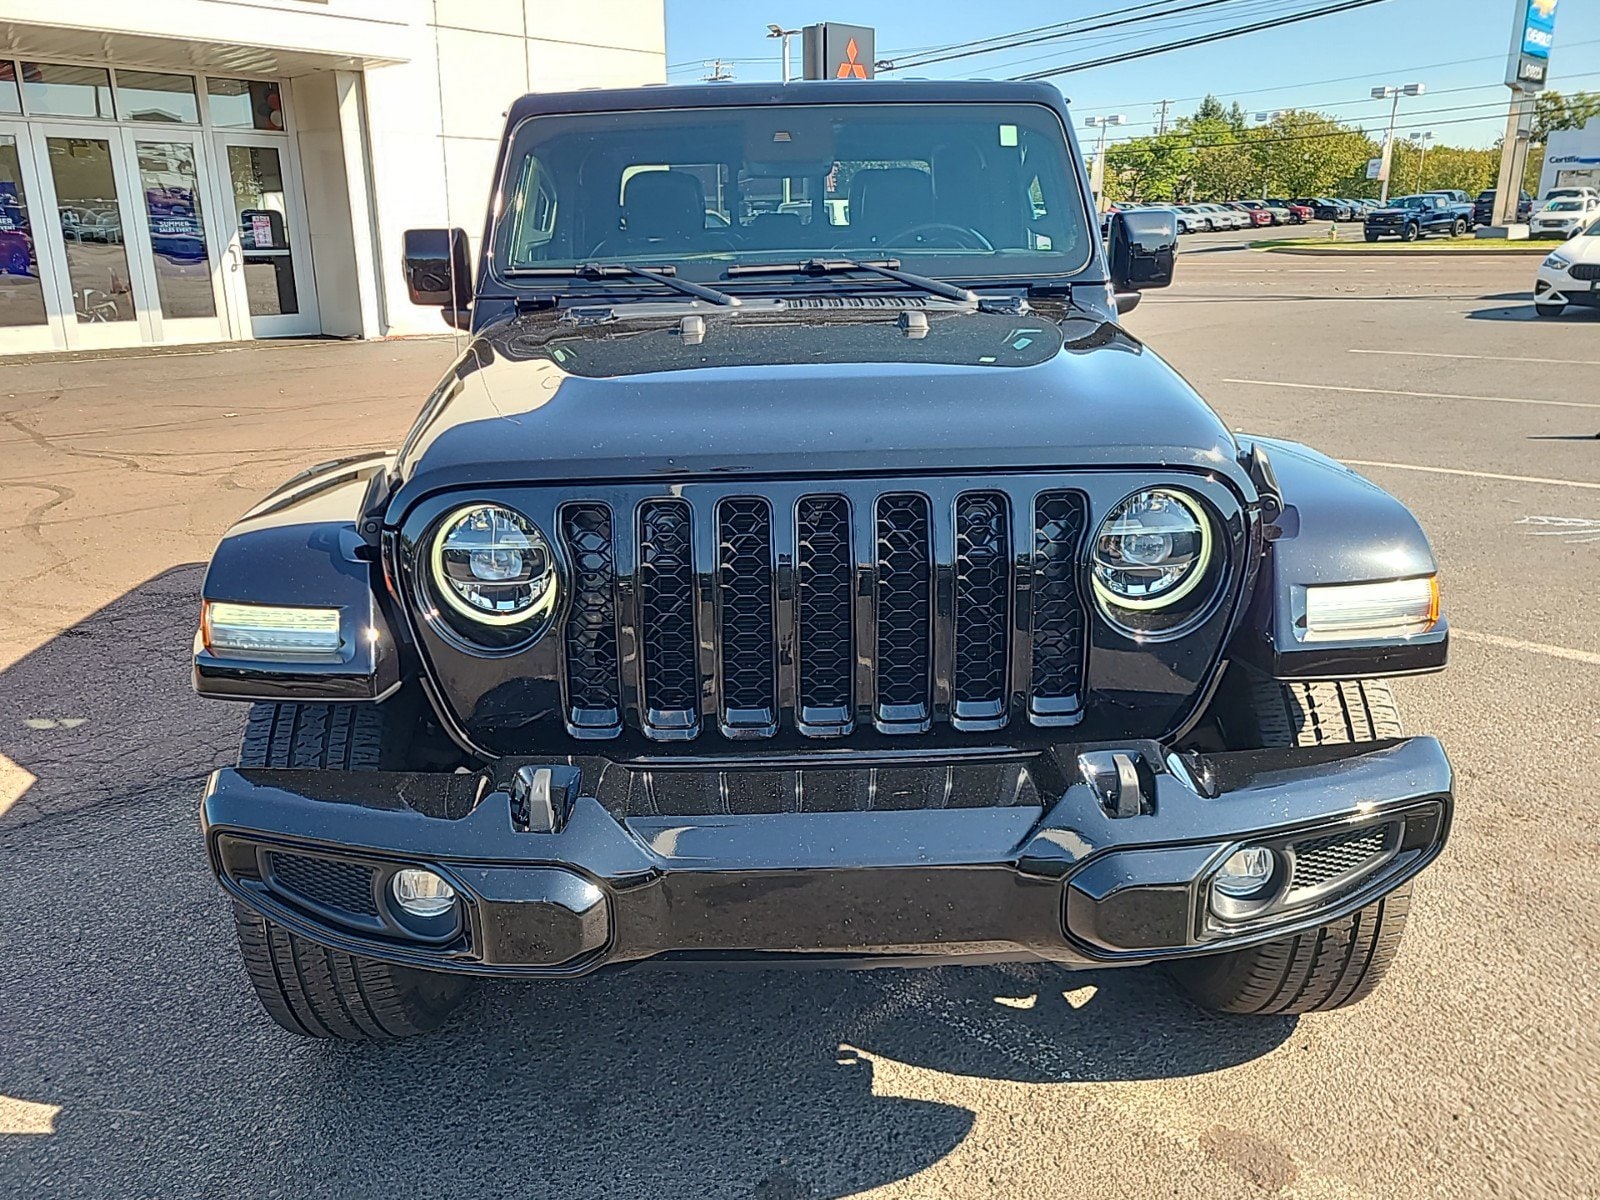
<point>1144,249</point>
<point>439,272</point>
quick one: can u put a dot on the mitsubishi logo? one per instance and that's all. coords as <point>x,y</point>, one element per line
<point>853,68</point>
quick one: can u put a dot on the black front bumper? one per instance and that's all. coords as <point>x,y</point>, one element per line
<point>1063,879</point>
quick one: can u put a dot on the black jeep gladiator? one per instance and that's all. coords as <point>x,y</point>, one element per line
<point>801,564</point>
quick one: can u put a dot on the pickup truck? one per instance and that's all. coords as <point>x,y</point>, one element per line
<point>1411,217</point>
<point>1460,201</point>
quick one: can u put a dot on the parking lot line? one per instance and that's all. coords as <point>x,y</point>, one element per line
<point>1328,387</point>
<point>1506,643</point>
<point>1393,466</point>
<point>1560,362</point>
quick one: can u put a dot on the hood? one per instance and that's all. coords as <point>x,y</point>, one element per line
<point>548,398</point>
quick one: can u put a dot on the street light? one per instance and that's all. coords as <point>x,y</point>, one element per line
<point>778,31</point>
<point>1097,177</point>
<point>1392,92</point>
<point>1421,139</point>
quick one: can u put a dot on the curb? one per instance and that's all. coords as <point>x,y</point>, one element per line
<point>1378,250</point>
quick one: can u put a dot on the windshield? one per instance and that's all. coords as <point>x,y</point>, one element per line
<point>962,190</point>
<point>1564,206</point>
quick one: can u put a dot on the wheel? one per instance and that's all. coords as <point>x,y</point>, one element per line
<point>1372,237</point>
<point>1549,310</point>
<point>1459,228</point>
<point>1339,963</point>
<point>1410,233</point>
<point>308,988</point>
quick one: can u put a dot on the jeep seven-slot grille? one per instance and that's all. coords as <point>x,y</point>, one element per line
<point>823,613</point>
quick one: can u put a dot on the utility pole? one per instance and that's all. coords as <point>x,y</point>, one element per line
<point>1394,91</point>
<point>719,73</point>
<point>778,31</point>
<point>1533,29</point>
<point>1161,117</point>
<point>1097,178</point>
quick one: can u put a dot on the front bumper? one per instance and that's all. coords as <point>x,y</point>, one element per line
<point>1063,878</point>
<point>1559,287</point>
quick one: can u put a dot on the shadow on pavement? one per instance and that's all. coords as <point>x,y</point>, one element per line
<point>134,1061</point>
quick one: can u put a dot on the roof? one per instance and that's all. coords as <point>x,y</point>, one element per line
<point>811,91</point>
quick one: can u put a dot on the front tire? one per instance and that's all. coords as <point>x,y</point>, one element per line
<point>1459,229</point>
<point>1549,310</point>
<point>1372,237</point>
<point>308,988</point>
<point>1341,962</point>
<point>1410,233</point>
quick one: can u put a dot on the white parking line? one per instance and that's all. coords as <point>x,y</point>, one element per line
<point>1505,643</point>
<point>1328,387</point>
<point>1560,362</point>
<point>1393,466</point>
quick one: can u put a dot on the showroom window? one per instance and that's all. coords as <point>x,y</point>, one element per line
<point>245,104</point>
<point>10,98</point>
<point>156,96</point>
<point>53,90</point>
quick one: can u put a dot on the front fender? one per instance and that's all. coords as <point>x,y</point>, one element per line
<point>1336,527</point>
<point>302,546</point>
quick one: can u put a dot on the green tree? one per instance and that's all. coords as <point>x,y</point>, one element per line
<point>1149,168</point>
<point>1220,167</point>
<point>1556,110</point>
<point>1210,110</point>
<point>1310,154</point>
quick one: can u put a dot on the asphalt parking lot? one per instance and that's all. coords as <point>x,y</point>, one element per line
<point>133,1061</point>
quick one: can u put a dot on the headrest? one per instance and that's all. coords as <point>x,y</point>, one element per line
<point>887,199</point>
<point>663,204</point>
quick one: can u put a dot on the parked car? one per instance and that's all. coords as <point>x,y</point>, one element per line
<point>1255,216</point>
<point>1459,202</point>
<point>1197,217</point>
<point>1299,213</point>
<point>1570,193</point>
<point>700,629</point>
<point>1483,207</point>
<point>1570,274</point>
<point>1564,217</point>
<point>1411,217</point>
<point>1224,217</point>
<point>1324,209</point>
<point>1275,214</point>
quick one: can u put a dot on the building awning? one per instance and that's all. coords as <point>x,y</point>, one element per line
<point>373,44</point>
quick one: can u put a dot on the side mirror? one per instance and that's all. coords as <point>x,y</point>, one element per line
<point>1144,249</point>
<point>439,271</point>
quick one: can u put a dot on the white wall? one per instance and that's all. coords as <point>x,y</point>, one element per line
<point>1571,158</point>
<point>435,121</point>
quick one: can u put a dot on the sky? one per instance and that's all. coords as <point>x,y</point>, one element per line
<point>1455,48</point>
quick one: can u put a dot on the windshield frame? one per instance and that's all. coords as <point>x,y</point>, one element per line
<point>495,278</point>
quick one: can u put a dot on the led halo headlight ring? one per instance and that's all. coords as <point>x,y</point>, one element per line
<point>491,565</point>
<point>1142,550</point>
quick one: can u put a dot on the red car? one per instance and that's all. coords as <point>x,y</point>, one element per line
<point>1259,214</point>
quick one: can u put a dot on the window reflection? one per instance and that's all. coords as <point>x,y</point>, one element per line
<point>21,295</point>
<point>10,98</point>
<point>53,90</point>
<point>91,226</point>
<point>260,207</point>
<point>245,104</point>
<point>170,183</point>
<point>154,96</point>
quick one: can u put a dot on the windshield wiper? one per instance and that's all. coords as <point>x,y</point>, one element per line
<point>662,275</point>
<point>886,267</point>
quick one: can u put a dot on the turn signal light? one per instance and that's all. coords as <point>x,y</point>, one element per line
<point>269,629</point>
<point>1392,609</point>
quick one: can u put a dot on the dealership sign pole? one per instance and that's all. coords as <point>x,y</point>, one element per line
<point>1527,69</point>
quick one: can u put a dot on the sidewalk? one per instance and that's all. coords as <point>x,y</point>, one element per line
<point>117,467</point>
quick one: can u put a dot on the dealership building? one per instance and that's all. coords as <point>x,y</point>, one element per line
<point>1571,158</point>
<point>204,170</point>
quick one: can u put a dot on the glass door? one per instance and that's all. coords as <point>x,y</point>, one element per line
<point>173,241</point>
<point>26,320</point>
<point>85,183</point>
<point>267,273</point>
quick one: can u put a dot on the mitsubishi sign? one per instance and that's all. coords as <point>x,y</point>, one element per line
<point>1532,36</point>
<point>834,51</point>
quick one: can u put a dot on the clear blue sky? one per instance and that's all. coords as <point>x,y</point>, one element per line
<point>1330,63</point>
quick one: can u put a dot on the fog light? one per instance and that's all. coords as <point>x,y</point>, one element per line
<point>422,893</point>
<point>1245,873</point>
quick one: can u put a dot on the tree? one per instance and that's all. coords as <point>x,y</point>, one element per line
<point>1310,154</point>
<point>1210,110</point>
<point>1554,110</point>
<point>1149,168</point>
<point>1220,167</point>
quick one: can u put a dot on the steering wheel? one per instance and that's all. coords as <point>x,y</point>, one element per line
<point>959,236</point>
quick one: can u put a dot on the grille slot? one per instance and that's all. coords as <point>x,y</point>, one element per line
<point>1058,619</point>
<point>346,887</point>
<point>593,704</point>
<point>826,629</point>
<point>982,609</point>
<point>1589,271</point>
<point>904,612</point>
<point>749,703</point>
<point>666,619</point>
<point>1320,860</point>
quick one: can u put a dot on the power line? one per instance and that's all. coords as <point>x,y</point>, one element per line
<point>1220,35</point>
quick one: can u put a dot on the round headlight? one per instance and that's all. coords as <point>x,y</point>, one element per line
<point>491,563</point>
<point>1152,550</point>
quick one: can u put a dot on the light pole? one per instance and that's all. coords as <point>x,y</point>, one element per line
<point>1097,178</point>
<point>1267,118</point>
<point>1394,92</point>
<point>778,31</point>
<point>1422,139</point>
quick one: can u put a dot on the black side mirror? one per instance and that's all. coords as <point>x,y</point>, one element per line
<point>439,272</point>
<point>1144,249</point>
